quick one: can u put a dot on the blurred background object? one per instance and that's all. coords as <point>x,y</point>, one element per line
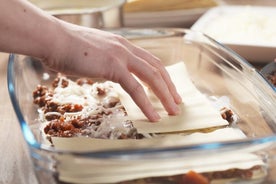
<point>89,13</point>
<point>249,2</point>
<point>248,30</point>
<point>136,13</point>
<point>160,13</point>
<point>161,5</point>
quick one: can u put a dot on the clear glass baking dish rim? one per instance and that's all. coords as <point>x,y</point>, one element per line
<point>213,146</point>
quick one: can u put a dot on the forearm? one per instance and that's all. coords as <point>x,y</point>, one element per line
<point>26,29</point>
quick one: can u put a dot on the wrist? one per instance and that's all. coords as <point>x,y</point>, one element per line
<point>56,45</point>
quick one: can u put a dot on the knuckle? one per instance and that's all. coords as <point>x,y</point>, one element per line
<point>119,38</point>
<point>136,89</point>
<point>110,71</point>
<point>157,60</point>
<point>159,64</point>
<point>156,73</point>
<point>116,48</point>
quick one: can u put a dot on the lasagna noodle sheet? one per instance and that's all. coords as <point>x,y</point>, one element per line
<point>112,171</point>
<point>196,111</point>
<point>116,170</point>
<point>84,144</point>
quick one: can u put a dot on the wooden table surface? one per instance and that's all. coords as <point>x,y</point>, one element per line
<point>15,163</point>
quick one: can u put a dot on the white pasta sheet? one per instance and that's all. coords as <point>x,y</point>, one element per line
<point>196,110</point>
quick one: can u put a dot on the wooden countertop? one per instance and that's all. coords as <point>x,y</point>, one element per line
<point>15,163</point>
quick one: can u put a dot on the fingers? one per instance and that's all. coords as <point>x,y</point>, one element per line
<point>149,74</point>
<point>153,77</point>
<point>137,93</point>
<point>155,62</point>
<point>151,71</point>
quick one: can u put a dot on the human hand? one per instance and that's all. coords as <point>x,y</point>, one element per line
<point>86,52</point>
<point>95,53</point>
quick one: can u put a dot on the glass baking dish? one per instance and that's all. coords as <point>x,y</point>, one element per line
<point>215,70</point>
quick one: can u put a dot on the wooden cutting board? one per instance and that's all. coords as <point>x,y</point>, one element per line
<point>161,5</point>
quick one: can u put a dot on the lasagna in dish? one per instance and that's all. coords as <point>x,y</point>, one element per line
<point>86,115</point>
<point>83,107</point>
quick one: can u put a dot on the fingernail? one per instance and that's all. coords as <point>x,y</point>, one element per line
<point>155,117</point>
<point>178,99</point>
<point>176,109</point>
